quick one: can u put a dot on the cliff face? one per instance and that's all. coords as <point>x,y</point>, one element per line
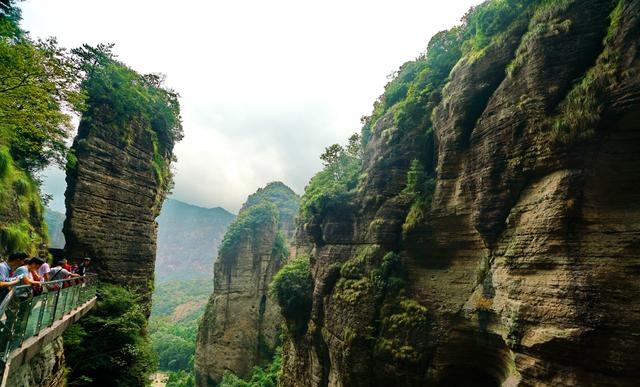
<point>241,323</point>
<point>520,265</point>
<point>114,193</point>
<point>46,369</point>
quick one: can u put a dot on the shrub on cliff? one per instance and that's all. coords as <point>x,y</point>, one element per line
<point>279,194</point>
<point>260,377</point>
<point>292,287</point>
<point>245,224</point>
<point>415,88</point>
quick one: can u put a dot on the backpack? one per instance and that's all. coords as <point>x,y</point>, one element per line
<point>54,287</point>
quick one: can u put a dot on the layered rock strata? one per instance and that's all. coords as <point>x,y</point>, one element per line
<point>241,323</point>
<point>523,270</point>
<point>114,193</point>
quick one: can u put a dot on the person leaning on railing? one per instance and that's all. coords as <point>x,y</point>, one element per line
<point>57,272</point>
<point>7,277</point>
<point>30,274</point>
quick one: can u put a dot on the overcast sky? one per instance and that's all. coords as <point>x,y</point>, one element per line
<point>265,85</point>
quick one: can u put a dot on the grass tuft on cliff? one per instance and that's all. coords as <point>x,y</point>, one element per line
<point>580,113</point>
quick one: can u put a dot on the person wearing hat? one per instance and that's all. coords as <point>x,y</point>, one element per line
<point>82,269</point>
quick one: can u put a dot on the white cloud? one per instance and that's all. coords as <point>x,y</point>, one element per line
<point>265,85</point>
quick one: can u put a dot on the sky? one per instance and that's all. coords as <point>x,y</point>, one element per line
<point>265,86</point>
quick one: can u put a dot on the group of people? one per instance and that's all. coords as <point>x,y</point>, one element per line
<point>20,269</point>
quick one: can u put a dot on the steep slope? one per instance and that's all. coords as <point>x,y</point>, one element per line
<point>21,212</point>
<point>492,240</point>
<point>188,239</point>
<point>240,325</point>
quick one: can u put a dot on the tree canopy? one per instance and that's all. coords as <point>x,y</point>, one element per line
<point>122,95</point>
<point>338,178</point>
<point>39,89</point>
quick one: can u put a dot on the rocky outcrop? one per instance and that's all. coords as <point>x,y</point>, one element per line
<point>46,369</point>
<point>521,266</point>
<point>114,193</point>
<point>241,323</point>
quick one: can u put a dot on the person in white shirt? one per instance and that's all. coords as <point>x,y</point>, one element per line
<point>44,270</point>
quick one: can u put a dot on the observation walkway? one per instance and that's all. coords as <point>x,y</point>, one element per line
<point>28,323</point>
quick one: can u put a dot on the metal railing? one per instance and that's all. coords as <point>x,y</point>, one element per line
<point>23,314</point>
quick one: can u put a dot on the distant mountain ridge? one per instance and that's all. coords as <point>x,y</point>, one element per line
<point>188,239</point>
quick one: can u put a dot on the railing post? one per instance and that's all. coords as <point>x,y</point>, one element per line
<point>55,307</point>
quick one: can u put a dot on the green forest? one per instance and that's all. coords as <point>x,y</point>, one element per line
<point>177,309</point>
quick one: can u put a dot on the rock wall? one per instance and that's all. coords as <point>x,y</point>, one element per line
<point>523,270</point>
<point>114,193</point>
<point>241,323</point>
<point>46,369</point>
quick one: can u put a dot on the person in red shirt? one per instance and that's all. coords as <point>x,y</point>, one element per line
<point>65,265</point>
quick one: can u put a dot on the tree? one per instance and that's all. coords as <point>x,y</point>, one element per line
<point>331,154</point>
<point>292,287</point>
<point>38,91</point>
<point>338,178</point>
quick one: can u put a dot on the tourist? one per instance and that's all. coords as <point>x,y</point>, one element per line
<point>65,264</point>
<point>6,271</point>
<point>82,269</point>
<point>14,262</point>
<point>43,271</point>
<point>58,272</point>
<point>29,273</point>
